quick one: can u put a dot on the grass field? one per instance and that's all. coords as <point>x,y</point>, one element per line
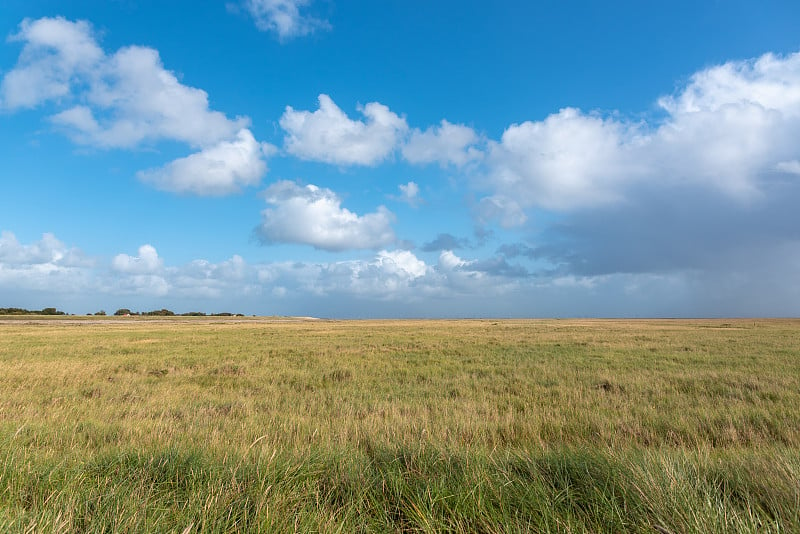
<point>242,425</point>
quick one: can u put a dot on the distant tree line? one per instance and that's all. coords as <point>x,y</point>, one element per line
<point>169,313</point>
<point>22,311</point>
<point>122,311</point>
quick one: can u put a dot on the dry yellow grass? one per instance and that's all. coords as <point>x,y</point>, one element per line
<point>452,383</point>
<point>241,390</point>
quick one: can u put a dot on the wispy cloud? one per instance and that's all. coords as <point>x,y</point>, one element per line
<point>285,18</point>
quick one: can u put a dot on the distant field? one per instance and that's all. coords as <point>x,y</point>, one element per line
<point>245,424</point>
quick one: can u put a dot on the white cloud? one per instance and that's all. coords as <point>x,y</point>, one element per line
<point>146,282</point>
<point>48,278</point>
<point>221,169</point>
<point>770,81</point>
<point>147,262</point>
<point>55,51</point>
<point>446,144</point>
<point>568,160</point>
<point>409,193</point>
<point>789,167</point>
<point>388,276</point>
<point>78,119</point>
<point>233,269</point>
<point>48,250</point>
<point>314,216</point>
<point>450,262</point>
<point>732,123</point>
<point>201,278</point>
<point>328,135</point>
<point>454,276</point>
<point>136,100</point>
<point>402,262</point>
<point>395,283</point>
<point>147,275</point>
<point>152,285</point>
<point>726,130</point>
<point>507,210</point>
<point>129,96</point>
<point>126,99</point>
<point>283,17</point>
<point>396,276</point>
<point>47,265</point>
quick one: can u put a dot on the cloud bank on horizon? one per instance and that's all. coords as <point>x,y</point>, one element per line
<point>685,209</point>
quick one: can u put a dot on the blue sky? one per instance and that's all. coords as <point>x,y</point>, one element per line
<point>395,159</point>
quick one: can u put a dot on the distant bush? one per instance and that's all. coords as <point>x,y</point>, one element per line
<point>160,313</point>
<point>23,311</point>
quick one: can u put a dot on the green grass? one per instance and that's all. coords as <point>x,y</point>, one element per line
<point>199,425</point>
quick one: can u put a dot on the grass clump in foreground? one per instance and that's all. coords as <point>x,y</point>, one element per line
<point>464,426</point>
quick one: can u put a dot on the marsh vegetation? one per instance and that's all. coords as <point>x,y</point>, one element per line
<point>241,425</point>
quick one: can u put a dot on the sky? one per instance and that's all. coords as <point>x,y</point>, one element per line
<point>401,159</point>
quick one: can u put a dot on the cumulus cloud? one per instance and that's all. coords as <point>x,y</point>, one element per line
<point>388,276</point>
<point>125,99</point>
<point>284,17</point>
<point>148,285</point>
<point>314,216</point>
<point>402,262</point>
<point>397,282</point>
<point>55,51</point>
<point>146,281</point>
<point>769,81</point>
<point>568,160</point>
<point>204,279</point>
<point>47,265</point>
<point>728,130</point>
<point>234,268</point>
<point>395,276</point>
<point>136,100</point>
<point>220,169</point>
<point>708,191</point>
<point>453,144</point>
<point>147,275</point>
<point>450,262</point>
<point>146,262</point>
<point>330,136</point>
<point>48,250</point>
<point>130,97</point>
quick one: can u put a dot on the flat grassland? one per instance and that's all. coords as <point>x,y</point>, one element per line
<point>242,425</point>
